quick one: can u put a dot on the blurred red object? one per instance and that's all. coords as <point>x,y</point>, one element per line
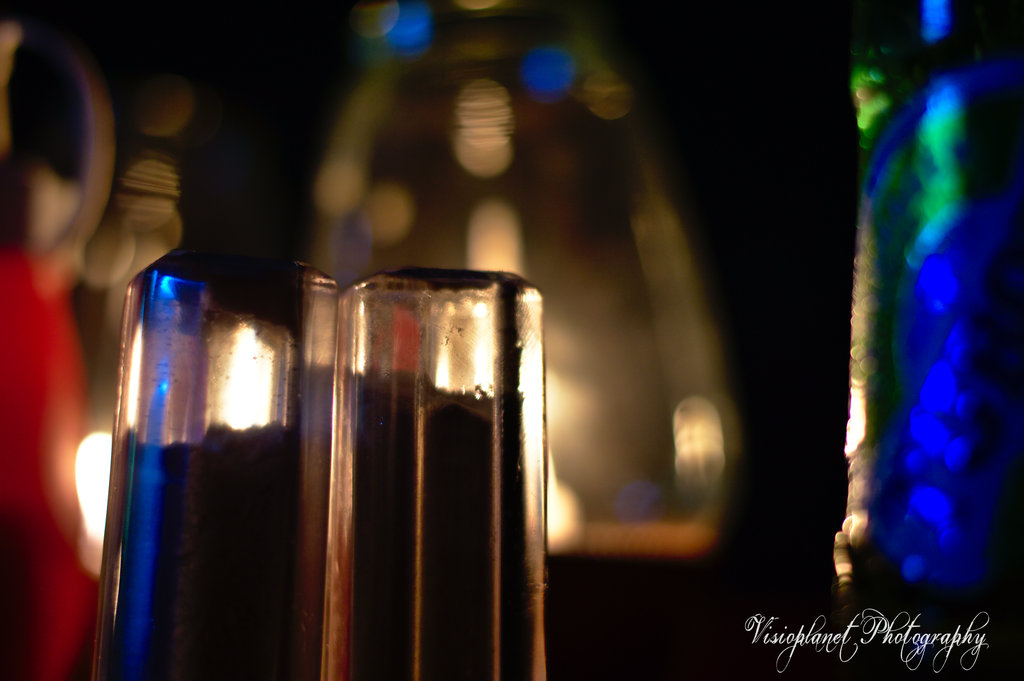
<point>47,601</point>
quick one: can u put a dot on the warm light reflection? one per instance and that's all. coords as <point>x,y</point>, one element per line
<point>565,517</point>
<point>841,559</point>
<point>142,224</point>
<point>482,139</point>
<point>700,447</point>
<point>855,426</point>
<point>107,258</point>
<point>51,207</point>
<point>571,406</point>
<point>92,477</point>
<point>339,186</point>
<point>483,360</point>
<point>476,4</point>
<point>142,213</point>
<point>494,241</point>
<point>361,336</point>
<point>854,526</point>
<point>565,514</point>
<point>131,404</point>
<point>10,39</point>
<point>244,394</point>
<point>442,373</point>
<point>390,208</point>
<point>463,348</point>
<point>164,105</point>
<point>374,19</point>
<point>607,95</point>
<point>152,175</point>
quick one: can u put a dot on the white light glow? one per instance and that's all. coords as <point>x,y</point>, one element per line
<point>855,426</point>
<point>360,338</point>
<point>854,526</point>
<point>483,362</point>
<point>442,375</point>
<point>700,450</point>
<point>494,240</point>
<point>482,139</point>
<point>92,478</point>
<point>246,392</point>
<point>565,514</point>
<point>134,377</point>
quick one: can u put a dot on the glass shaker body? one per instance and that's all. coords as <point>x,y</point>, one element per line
<point>213,558</point>
<point>436,548</point>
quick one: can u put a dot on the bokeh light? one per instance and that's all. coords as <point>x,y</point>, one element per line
<point>494,240</point>
<point>548,72</point>
<point>936,20</point>
<point>639,501</point>
<point>390,208</point>
<point>482,137</point>
<point>699,442</point>
<point>607,95</point>
<point>413,29</point>
<point>374,19</point>
<point>936,284</point>
<point>164,105</point>
<point>339,185</point>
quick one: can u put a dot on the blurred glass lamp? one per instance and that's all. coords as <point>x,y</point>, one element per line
<point>498,136</point>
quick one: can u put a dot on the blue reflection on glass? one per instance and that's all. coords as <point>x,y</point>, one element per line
<point>939,390</point>
<point>915,461</point>
<point>958,454</point>
<point>547,72</point>
<point>932,505</point>
<point>913,568</point>
<point>413,30</point>
<point>957,348</point>
<point>166,286</point>
<point>928,431</point>
<point>936,20</point>
<point>153,526</point>
<point>153,498</point>
<point>936,283</point>
<point>952,541</point>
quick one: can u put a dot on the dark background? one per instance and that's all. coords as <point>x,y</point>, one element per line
<point>754,101</point>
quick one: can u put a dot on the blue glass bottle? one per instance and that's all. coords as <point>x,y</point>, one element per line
<point>937,358</point>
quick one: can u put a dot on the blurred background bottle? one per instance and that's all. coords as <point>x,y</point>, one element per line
<point>505,136</point>
<point>937,366</point>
